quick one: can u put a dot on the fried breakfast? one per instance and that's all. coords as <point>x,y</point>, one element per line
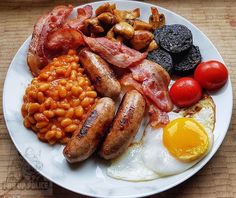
<point>98,75</point>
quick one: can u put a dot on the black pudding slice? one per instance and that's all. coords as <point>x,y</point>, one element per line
<point>175,38</point>
<point>162,58</point>
<point>157,34</point>
<point>189,62</point>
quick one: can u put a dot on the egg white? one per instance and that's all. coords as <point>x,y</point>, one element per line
<point>130,166</point>
<point>157,158</point>
<point>149,159</point>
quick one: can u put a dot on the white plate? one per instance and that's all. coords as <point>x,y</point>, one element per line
<point>89,178</point>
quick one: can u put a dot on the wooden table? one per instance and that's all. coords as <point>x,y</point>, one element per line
<point>216,18</point>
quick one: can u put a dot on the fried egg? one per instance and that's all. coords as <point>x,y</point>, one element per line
<point>169,150</point>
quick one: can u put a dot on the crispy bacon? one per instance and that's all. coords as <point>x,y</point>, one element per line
<point>64,39</point>
<point>152,81</point>
<point>128,83</point>
<point>82,14</point>
<point>37,57</point>
<point>114,52</point>
<point>155,81</point>
<point>157,117</point>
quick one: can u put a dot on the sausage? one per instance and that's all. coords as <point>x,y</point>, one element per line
<point>87,137</point>
<point>125,126</point>
<point>100,73</point>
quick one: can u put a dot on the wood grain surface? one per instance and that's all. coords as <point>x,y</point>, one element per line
<point>216,18</point>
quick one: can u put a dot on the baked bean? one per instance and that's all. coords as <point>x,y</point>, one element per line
<point>31,119</point>
<point>40,117</point>
<point>76,90</point>
<point>60,71</point>
<point>65,122</point>
<point>34,128</point>
<point>54,127</point>
<point>47,102</point>
<point>71,128</point>
<point>50,134</point>
<point>40,97</point>
<point>45,129</point>
<point>55,95</point>
<point>32,94</point>
<point>43,87</point>
<point>92,94</point>
<point>70,113</point>
<point>43,76</point>
<point>58,99</point>
<point>81,81</point>
<point>74,65</point>
<point>33,107</point>
<point>68,71</point>
<point>73,75</point>
<point>53,104</point>
<point>49,113</point>
<point>59,112</point>
<point>62,81</point>
<point>65,106</point>
<point>42,108</point>
<point>75,102</point>
<point>62,92</point>
<point>79,111</point>
<point>86,101</point>
<point>27,123</point>
<point>41,136</point>
<point>58,134</point>
<point>40,125</point>
<point>82,95</point>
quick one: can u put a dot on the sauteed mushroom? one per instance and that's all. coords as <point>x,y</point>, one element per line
<point>141,39</point>
<point>107,18</point>
<point>93,26</point>
<point>106,7</point>
<point>141,25</point>
<point>124,29</point>
<point>123,15</point>
<point>156,20</point>
<point>152,46</point>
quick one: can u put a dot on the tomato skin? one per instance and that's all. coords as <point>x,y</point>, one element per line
<point>211,75</point>
<point>185,92</point>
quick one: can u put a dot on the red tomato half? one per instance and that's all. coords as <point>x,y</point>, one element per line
<point>211,75</point>
<point>185,92</point>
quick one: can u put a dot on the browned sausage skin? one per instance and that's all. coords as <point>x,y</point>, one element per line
<point>100,73</point>
<point>87,137</point>
<point>125,125</point>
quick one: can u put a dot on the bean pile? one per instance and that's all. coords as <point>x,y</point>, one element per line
<point>58,99</point>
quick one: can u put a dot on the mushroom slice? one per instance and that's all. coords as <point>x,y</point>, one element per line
<point>107,18</point>
<point>141,39</point>
<point>106,7</point>
<point>93,26</point>
<point>152,46</point>
<point>141,25</point>
<point>124,29</point>
<point>123,15</point>
<point>156,19</point>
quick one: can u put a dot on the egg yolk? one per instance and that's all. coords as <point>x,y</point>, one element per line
<point>185,139</point>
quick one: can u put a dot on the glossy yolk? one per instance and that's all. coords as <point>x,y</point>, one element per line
<point>185,139</point>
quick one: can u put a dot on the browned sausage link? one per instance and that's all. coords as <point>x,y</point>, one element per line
<point>86,139</point>
<point>100,73</point>
<point>125,125</point>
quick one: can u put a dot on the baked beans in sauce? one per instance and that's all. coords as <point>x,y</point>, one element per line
<point>58,99</point>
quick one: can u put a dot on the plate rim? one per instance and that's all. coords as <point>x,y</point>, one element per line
<point>172,185</point>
